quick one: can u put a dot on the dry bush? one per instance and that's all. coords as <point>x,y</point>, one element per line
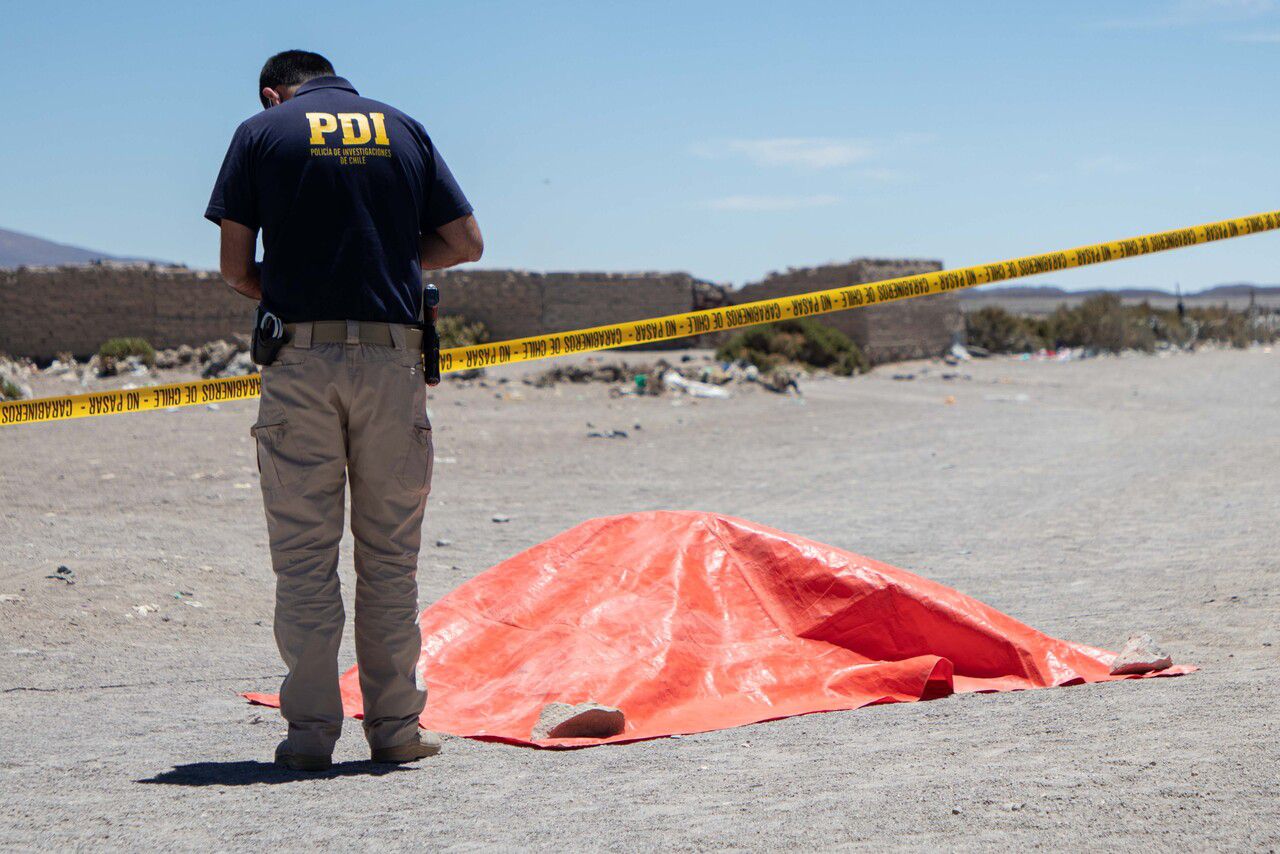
<point>798,341</point>
<point>456,331</point>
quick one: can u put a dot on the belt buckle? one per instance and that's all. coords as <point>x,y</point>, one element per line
<point>353,332</point>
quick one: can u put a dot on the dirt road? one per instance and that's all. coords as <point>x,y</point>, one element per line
<point>1088,499</point>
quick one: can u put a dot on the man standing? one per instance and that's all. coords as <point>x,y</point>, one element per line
<point>353,201</point>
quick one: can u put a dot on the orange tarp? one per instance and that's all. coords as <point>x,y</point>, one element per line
<point>691,622</point>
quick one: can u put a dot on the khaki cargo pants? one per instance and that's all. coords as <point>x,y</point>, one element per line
<point>329,412</point>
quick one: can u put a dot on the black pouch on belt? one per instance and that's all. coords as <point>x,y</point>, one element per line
<point>430,337</point>
<point>268,337</point>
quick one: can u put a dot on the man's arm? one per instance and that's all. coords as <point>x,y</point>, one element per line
<point>239,244</point>
<point>451,244</point>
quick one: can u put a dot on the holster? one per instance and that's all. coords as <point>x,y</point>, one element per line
<point>268,337</point>
<point>430,336</point>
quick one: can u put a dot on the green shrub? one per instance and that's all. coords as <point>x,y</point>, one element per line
<point>998,331</point>
<point>1104,324</point>
<point>457,331</point>
<point>9,391</point>
<point>119,349</point>
<point>1237,328</point>
<point>799,341</point>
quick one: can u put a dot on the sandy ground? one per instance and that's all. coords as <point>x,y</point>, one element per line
<point>1088,499</point>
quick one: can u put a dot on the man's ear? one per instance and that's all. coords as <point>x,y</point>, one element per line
<point>270,97</point>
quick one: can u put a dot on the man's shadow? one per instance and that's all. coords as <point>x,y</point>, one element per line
<point>250,773</point>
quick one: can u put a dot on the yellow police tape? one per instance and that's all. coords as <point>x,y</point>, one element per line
<point>664,328</point>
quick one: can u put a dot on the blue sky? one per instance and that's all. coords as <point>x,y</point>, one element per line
<point>726,139</point>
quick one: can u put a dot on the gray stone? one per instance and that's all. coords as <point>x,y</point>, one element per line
<point>1140,655</point>
<point>585,720</point>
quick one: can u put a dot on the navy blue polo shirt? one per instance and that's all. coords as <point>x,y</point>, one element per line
<point>341,187</point>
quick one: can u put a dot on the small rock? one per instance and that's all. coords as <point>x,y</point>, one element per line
<point>585,720</point>
<point>500,519</point>
<point>1140,655</point>
<point>442,543</point>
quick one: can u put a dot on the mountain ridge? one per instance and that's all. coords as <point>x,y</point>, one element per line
<point>19,249</point>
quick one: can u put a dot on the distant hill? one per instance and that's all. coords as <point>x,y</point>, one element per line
<point>18,249</point>
<point>1240,290</point>
<point>1052,291</point>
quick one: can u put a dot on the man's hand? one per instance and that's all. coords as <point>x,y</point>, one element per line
<point>239,244</point>
<point>451,244</point>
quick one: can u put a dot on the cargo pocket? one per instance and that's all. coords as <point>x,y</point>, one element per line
<point>277,464</point>
<point>416,465</point>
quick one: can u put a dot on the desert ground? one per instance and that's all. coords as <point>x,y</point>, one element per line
<point>1089,499</point>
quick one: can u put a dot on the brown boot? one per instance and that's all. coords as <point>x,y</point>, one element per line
<point>286,758</point>
<point>424,745</point>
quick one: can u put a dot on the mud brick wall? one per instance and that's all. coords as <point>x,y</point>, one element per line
<point>516,304</point>
<point>909,329</point>
<point>49,310</point>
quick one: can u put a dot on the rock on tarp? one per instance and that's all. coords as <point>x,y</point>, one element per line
<point>690,622</point>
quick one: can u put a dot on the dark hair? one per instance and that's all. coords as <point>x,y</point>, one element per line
<point>291,68</point>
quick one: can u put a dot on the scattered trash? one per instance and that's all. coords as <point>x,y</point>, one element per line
<point>143,610</point>
<point>63,573</point>
<point>958,351</point>
<point>781,380</point>
<point>904,377</point>
<point>184,596</point>
<point>13,376</point>
<point>440,544</point>
<point>675,382</point>
<point>1020,397</point>
<point>950,400</point>
<point>1140,655</point>
<point>500,519</point>
<point>585,720</point>
<point>12,598</point>
<point>228,359</point>
<point>609,434</point>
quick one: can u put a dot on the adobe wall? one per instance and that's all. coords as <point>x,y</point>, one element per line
<point>517,304</point>
<point>908,329</point>
<point>48,310</point>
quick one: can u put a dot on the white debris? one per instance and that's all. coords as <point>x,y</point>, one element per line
<point>675,382</point>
